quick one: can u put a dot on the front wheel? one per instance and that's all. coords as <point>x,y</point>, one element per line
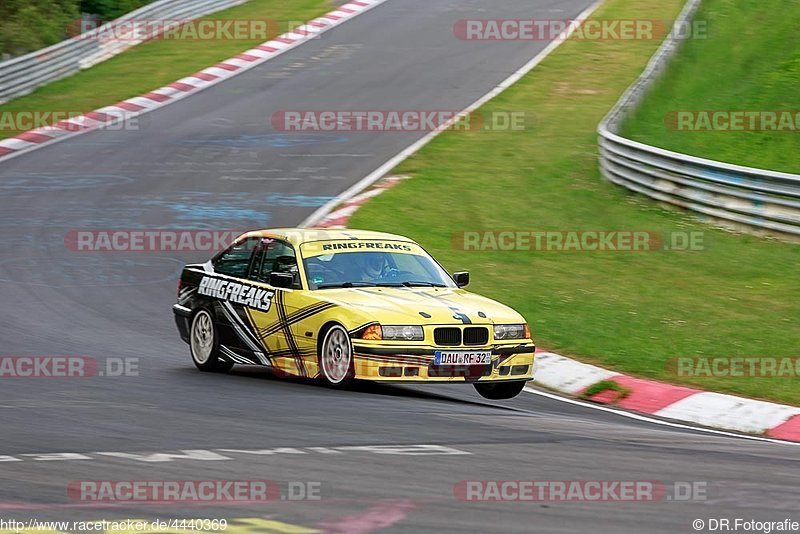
<point>336,357</point>
<point>499,390</point>
<point>204,345</point>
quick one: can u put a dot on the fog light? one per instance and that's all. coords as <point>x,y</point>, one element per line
<point>390,371</point>
<point>519,369</point>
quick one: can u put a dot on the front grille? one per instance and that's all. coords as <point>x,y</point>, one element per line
<point>447,336</point>
<point>476,335</point>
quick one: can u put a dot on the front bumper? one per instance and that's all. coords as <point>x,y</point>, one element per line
<point>510,362</point>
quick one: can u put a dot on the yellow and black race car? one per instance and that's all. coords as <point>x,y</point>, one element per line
<point>339,305</point>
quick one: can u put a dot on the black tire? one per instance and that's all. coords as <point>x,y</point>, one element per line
<point>204,344</point>
<point>337,372</point>
<point>499,390</point>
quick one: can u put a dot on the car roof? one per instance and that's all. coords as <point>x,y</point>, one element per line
<point>298,236</point>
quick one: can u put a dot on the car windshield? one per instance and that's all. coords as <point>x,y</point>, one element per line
<point>331,265</point>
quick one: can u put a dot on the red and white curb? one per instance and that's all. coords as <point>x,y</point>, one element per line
<point>715,410</point>
<point>127,109</point>
<point>341,214</point>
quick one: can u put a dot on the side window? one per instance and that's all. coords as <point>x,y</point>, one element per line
<point>275,257</point>
<point>236,260</point>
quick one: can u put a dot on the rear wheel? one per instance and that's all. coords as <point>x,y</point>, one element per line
<point>499,390</point>
<point>336,357</point>
<point>204,345</point>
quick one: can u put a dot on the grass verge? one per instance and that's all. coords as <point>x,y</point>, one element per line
<point>632,311</point>
<point>750,62</point>
<point>157,63</point>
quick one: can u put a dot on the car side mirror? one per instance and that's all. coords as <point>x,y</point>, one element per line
<point>461,279</point>
<point>283,280</point>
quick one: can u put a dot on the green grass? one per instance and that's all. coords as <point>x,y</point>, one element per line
<point>157,63</point>
<point>750,62</point>
<point>602,387</point>
<point>625,310</point>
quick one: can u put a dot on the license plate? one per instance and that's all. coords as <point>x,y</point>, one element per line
<point>451,357</point>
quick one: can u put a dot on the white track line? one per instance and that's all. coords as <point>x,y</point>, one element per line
<point>639,417</point>
<point>384,169</point>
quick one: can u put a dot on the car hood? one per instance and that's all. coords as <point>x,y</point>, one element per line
<point>389,305</point>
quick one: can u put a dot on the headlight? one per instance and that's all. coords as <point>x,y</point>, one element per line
<point>405,333</point>
<point>511,331</point>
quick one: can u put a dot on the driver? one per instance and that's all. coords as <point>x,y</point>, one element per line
<point>374,266</point>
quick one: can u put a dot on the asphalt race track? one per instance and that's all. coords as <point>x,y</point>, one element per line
<point>213,161</point>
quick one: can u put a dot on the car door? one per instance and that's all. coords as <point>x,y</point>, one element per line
<point>236,336</point>
<point>278,326</point>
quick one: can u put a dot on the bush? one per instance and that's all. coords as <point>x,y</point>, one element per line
<point>27,25</point>
<point>111,9</point>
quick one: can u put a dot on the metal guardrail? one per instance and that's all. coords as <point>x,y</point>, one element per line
<point>21,75</point>
<point>744,198</point>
